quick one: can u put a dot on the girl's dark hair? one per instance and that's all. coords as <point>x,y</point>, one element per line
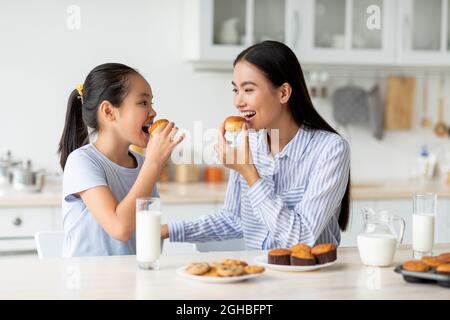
<point>280,65</point>
<point>107,81</point>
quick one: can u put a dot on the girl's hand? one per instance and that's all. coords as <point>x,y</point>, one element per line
<point>164,232</point>
<point>237,158</point>
<point>161,144</point>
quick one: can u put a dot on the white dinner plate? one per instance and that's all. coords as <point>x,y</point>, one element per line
<point>182,272</point>
<point>262,260</point>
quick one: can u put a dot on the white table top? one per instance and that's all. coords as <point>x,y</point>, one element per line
<point>119,278</point>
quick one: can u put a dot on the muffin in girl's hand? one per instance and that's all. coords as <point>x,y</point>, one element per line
<point>324,253</point>
<point>156,124</point>
<point>280,256</point>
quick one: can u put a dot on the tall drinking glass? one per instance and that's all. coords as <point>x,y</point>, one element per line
<point>148,232</point>
<point>424,213</point>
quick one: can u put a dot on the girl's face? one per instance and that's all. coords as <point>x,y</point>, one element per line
<point>136,113</point>
<point>255,96</point>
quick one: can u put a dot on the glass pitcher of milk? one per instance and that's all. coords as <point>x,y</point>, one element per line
<point>379,238</point>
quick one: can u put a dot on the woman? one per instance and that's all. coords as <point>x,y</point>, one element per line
<point>277,199</point>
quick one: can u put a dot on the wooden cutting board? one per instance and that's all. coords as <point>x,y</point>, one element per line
<point>399,103</point>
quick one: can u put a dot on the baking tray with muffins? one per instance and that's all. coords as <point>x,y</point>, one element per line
<point>429,269</point>
<point>223,271</point>
<point>299,257</point>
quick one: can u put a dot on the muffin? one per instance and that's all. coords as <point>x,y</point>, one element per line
<point>233,127</point>
<point>416,266</point>
<point>300,247</point>
<point>324,253</point>
<point>444,257</point>
<point>302,258</point>
<point>444,269</point>
<point>156,124</point>
<point>234,123</point>
<point>280,256</point>
<point>432,262</point>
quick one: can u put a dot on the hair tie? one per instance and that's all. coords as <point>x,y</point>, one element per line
<point>80,91</point>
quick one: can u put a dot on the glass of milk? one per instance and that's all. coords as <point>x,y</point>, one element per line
<point>424,213</point>
<point>148,233</point>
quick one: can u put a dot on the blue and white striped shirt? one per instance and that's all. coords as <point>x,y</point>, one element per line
<point>297,198</point>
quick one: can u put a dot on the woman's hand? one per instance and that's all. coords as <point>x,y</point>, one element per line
<point>237,158</point>
<point>161,144</point>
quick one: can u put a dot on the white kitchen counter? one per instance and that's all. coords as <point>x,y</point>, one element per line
<point>119,278</point>
<point>214,193</point>
<point>171,193</point>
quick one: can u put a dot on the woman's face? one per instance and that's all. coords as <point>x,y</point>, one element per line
<point>136,113</point>
<point>255,96</point>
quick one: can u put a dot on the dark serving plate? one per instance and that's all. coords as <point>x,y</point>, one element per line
<point>430,276</point>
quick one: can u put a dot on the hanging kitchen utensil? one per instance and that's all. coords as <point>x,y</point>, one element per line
<point>376,112</point>
<point>350,105</point>
<point>440,129</point>
<point>426,120</point>
<point>399,102</point>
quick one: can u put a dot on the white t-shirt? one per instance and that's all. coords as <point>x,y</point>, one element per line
<point>86,168</point>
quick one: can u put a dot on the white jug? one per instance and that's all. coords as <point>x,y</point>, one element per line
<point>379,240</point>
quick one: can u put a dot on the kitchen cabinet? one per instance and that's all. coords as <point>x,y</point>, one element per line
<point>18,226</point>
<point>369,32</point>
<point>218,30</point>
<point>424,32</point>
<point>343,31</point>
<point>331,31</point>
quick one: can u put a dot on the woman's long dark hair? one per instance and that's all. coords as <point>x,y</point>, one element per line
<point>109,82</point>
<point>280,65</point>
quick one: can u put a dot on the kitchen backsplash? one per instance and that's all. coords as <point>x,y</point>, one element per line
<point>33,112</point>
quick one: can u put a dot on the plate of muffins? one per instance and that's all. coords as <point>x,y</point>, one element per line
<point>223,271</point>
<point>430,269</point>
<point>299,258</point>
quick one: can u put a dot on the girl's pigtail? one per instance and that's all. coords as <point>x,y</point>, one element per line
<point>75,133</point>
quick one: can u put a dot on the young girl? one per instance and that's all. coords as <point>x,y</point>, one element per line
<point>103,179</point>
<point>277,199</point>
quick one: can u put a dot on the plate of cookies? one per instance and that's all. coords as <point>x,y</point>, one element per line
<point>223,271</point>
<point>299,258</point>
<point>429,269</point>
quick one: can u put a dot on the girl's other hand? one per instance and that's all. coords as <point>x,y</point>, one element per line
<point>164,232</point>
<point>161,144</point>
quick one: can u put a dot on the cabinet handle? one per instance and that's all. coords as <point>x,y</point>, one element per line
<point>296,28</point>
<point>406,33</point>
<point>17,222</point>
